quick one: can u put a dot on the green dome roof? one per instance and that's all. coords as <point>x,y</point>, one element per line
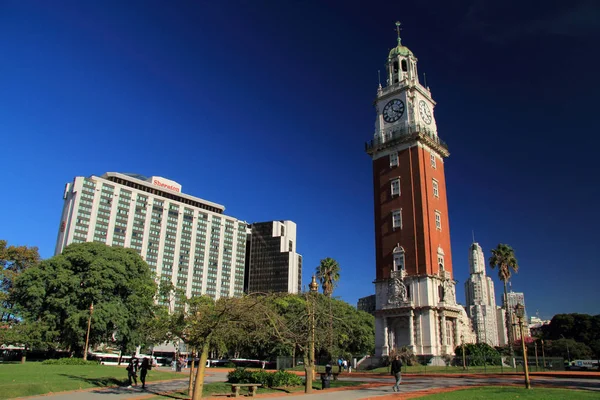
<point>399,50</point>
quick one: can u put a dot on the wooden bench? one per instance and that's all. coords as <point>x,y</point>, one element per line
<point>252,388</point>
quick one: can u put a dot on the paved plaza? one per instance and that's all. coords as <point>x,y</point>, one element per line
<point>411,384</point>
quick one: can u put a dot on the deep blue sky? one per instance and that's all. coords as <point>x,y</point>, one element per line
<point>264,106</point>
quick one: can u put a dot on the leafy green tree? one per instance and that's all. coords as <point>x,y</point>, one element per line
<point>29,335</point>
<point>503,258</point>
<point>299,321</point>
<point>480,354</point>
<point>568,349</point>
<point>205,321</point>
<point>58,292</point>
<point>328,273</point>
<point>354,330</point>
<point>13,260</point>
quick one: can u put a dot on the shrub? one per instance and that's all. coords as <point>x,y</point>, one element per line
<point>239,375</point>
<point>267,379</point>
<point>69,361</point>
<point>283,379</point>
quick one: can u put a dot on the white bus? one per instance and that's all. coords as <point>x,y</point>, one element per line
<point>583,365</point>
<point>113,358</point>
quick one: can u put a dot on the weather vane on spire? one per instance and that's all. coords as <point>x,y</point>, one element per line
<point>398,29</point>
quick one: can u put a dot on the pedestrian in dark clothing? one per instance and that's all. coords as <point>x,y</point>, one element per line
<point>144,371</point>
<point>132,368</point>
<point>396,371</point>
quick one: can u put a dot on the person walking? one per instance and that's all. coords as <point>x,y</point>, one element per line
<point>396,371</point>
<point>144,371</point>
<point>132,368</point>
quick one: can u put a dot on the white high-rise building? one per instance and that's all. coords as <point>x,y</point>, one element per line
<point>184,239</point>
<point>514,298</point>
<point>481,300</point>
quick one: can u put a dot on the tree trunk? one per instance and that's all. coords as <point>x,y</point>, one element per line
<point>24,355</point>
<point>191,384</point>
<point>199,385</point>
<point>509,332</point>
<point>308,373</point>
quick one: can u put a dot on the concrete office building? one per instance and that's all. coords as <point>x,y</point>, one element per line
<point>184,239</point>
<point>272,263</point>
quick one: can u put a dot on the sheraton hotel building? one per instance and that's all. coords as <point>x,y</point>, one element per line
<point>184,239</point>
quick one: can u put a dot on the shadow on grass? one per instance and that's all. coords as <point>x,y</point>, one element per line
<point>99,382</point>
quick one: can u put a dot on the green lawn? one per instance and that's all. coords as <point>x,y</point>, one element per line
<point>211,389</point>
<point>504,393</point>
<point>34,378</point>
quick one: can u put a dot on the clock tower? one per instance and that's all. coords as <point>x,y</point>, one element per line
<point>414,285</point>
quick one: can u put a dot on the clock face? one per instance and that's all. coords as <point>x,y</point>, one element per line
<point>425,112</point>
<point>393,110</point>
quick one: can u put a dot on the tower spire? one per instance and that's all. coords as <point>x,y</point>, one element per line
<point>398,29</point>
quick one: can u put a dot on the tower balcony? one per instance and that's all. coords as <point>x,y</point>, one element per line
<point>407,134</point>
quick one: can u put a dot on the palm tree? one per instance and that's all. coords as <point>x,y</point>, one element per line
<point>328,273</point>
<point>503,257</point>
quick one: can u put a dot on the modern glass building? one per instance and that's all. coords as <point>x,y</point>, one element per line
<point>272,264</point>
<point>184,239</point>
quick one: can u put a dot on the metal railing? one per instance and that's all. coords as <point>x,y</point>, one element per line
<point>405,133</point>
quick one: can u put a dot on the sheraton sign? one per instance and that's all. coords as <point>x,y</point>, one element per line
<point>166,183</point>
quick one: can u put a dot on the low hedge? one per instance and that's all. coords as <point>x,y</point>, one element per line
<point>69,361</point>
<point>262,377</point>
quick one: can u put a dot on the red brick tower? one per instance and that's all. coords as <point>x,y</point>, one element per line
<point>416,302</point>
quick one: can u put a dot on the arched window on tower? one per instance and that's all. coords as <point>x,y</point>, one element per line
<point>404,66</point>
<point>440,254</point>
<point>399,258</point>
<point>395,69</point>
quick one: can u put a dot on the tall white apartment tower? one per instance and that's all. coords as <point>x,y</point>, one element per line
<point>481,300</point>
<point>184,239</point>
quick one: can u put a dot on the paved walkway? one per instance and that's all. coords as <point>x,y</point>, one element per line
<point>380,388</point>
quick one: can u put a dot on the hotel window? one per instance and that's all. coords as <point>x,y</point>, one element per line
<point>398,259</point>
<point>438,221</point>
<point>436,191</point>
<point>394,159</point>
<point>395,186</point>
<point>432,157</point>
<point>397,219</point>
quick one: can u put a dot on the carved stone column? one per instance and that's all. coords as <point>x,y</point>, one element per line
<point>386,346</point>
<point>411,330</point>
<point>443,332</point>
<point>456,333</point>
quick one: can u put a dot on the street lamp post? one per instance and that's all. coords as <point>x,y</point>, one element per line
<point>520,313</point>
<point>536,356</point>
<point>87,336</point>
<point>543,356</point>
<point>568,353</point>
